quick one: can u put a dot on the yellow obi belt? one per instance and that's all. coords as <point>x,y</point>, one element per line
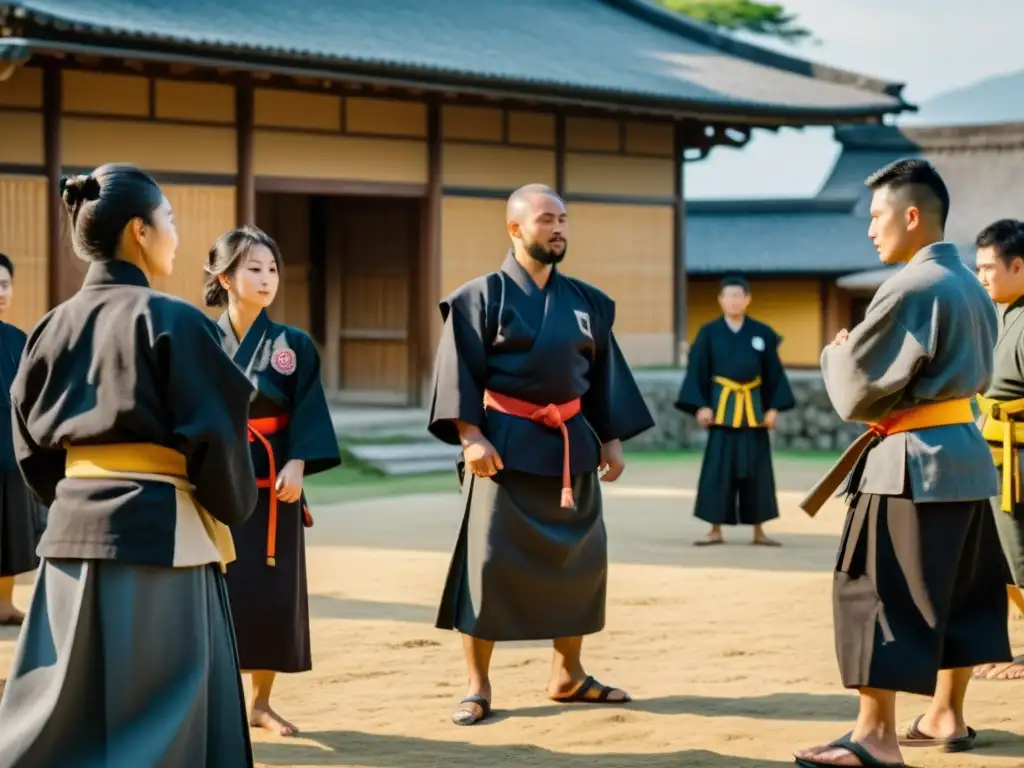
<point>742,396</point>
<point>199,537</point>
<point>1004,435</point>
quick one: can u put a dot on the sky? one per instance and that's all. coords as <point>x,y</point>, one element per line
<point>897,40</point>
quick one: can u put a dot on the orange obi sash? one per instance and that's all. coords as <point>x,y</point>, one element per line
<point>925,416</point>
<point>551,415</point>
<point>258,430</point>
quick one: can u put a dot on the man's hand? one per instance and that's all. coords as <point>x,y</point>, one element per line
<point>612,462</point>
<point>481,457</point>
<point>840,338</point>
<point>705,417</point>
<point>769,418</point>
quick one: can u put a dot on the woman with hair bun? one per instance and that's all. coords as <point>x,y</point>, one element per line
<point>129,422</point>
<point>292,436</point>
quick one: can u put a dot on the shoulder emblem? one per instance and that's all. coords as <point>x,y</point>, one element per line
<point>757,343</point>
<point>583,320</point>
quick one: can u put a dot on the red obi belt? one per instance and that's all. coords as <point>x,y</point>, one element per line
<point>258,430</point>
<point>553,416</point>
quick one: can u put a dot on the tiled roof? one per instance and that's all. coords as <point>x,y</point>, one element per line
<point>982,166</point>
<point>616,52</point>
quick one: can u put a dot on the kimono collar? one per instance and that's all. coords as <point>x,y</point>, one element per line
<point>114,272</point>
<point>521,277</point>
<point>944,251</point>
<point>242,350</point>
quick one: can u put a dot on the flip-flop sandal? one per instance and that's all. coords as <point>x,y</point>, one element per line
<point>708,542</point>
<point>579,696</point>
<point>470,718</point>
<point>867,760</point>
<point>12,621</point>
<point>766,543</point>
<point>914,737</point>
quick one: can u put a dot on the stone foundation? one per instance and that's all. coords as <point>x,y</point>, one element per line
<point>811,426</point>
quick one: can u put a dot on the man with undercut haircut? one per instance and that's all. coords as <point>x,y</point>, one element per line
<point>919,589</point>
<point>1000,266</point>
<point>531,383</point>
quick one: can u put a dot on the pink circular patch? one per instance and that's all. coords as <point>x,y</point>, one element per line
<point>283,361</point>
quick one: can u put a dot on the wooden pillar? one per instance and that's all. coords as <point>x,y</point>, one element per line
<point>681,346</point>
<point>560,154</point>
<point>62,278</point>
<point>427,320</point>
<point>245,186</point>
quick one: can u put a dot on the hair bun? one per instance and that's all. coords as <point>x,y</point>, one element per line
<point>76,189</point>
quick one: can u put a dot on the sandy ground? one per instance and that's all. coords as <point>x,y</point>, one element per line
<point>727,651</point>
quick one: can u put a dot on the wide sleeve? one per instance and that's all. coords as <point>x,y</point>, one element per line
<point>311,435</point>
<point>41,468</point>
<point>209,404</point>
<point>613,405</point>
<point>460,367</point>
<point>695,391</point>
<point>776,394</point>
<point>866,375</point>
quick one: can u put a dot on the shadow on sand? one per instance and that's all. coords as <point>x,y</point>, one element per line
<point>380,751</point>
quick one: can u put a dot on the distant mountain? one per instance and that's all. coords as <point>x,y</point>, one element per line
<point>998,99</point>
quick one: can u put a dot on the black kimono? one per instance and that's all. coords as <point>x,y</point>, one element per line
<point>19,511</point>
<point>738,375</point>
<point>524,567</point>
<point>127,654</point>
<point>267,582</point>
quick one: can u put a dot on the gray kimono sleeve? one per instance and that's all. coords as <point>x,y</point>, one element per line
<point>866,376</point>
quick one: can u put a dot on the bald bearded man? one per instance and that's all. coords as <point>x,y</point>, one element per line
<point>531,383</point>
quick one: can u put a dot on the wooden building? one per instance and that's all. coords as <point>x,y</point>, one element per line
<point>378,140</point>
<point>810,263</point>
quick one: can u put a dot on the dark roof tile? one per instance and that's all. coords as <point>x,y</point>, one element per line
<point>618,49</point>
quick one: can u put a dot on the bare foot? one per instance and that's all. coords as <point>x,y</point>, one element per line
<point>587,690</point>
<point>761,540</point>
<point>262,716</point>
<point>1012,671</point>
<point>713,538</point>
<point>840,755</point>
<point>471,709</point>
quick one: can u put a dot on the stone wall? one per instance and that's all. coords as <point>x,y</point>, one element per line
<point>811,426</point>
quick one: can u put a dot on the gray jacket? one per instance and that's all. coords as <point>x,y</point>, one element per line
<point>928,336</point>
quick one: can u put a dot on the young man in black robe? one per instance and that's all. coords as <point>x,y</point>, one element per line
<point>531,383</point>
<point>19,512</point>
<point>735,386</point>
<point>1000,265</point>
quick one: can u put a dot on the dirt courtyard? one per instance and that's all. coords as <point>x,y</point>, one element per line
<point>727,650</point>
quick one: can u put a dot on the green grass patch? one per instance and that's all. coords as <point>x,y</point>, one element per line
<point>351,482</point>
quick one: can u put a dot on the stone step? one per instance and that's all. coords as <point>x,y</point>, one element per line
<point>407,458</point>
<point>392,452</point>
<point>420,467</point>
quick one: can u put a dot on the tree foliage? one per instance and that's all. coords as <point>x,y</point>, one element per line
<point>768,19</point>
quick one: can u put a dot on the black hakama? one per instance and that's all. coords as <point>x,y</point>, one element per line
<point>543,568</point>
<point>737,480</point>
<point>127,655</point>
<point>524,567</point>
<point>86,690</point>
<point>19,525</point>
<point>270,602</point>
<point>918,587</point>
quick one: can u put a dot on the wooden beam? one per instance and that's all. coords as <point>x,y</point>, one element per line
<point>424,317</point>
<point>245,206</point>
<point>61,282</point>
<point>681,348</point>
<point>560,153</point>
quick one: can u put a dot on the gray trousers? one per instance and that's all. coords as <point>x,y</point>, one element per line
<point>1010,527</point>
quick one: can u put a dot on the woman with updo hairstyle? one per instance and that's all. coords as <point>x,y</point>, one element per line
<point>129,423</point>
<point>291,436</point>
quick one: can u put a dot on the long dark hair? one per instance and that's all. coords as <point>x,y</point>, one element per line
<point>228,254</point>
<point>100,205</point>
